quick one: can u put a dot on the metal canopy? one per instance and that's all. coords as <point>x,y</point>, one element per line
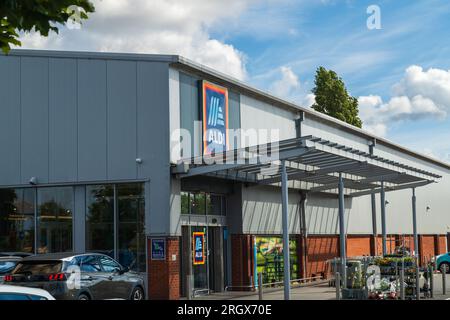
<point>313,162</point>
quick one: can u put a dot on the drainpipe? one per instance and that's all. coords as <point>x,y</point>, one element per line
<point>304,233</point>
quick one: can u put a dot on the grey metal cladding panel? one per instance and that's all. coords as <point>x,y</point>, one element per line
<point>9,120</point>
<point>153,143</point>
<point>234,116</point>
<point>122,117</point>
<point>189,104</point>
<point>153,118</point>
<point>34,119</point>
<point>92,142</point>
<point>62,120</point>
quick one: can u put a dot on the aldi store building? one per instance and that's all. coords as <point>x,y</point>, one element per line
<point>180,172</point>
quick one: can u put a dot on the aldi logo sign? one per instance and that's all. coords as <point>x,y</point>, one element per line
<point>215,118</point>
<point>198,242</point>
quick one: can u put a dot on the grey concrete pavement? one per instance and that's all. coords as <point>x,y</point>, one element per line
<point>312,292</point>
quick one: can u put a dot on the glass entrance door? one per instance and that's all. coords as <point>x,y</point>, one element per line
<point>200,261</point>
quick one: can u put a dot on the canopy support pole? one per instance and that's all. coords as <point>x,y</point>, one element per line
<point>414,216</point>
<point>383,217</point>
<point>342,230</point>
<point>284,205</point>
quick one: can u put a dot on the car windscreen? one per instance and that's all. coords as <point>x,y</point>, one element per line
<point>38,267</point>
<point>7,266</point>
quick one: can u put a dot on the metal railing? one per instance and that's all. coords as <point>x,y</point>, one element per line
<point>293,283</point>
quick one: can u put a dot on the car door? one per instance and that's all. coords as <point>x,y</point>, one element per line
<point>118,288</point>
<point>92,276</point>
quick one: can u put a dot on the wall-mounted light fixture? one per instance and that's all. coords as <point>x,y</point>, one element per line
<point>428,208</point>
<point>33,181</point>
<point>386,202</point>
<point>138,160</point>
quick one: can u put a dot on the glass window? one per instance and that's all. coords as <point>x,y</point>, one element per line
<point>131,212</point>
<point>109,265</point>
<point>13,296</point>
<point>198,203</point>
<point>89,263</point>
<point>38,268</point>
<point>7,266</point>
<point>55,208</point>
<point>269,258</point>
<point>185,202</point>
<point>202,203</point>
<point>214,204</point>
<point>100,219</point>
<point>17,220</point>
<point>33,297</point>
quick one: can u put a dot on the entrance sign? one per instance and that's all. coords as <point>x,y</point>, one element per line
<point>198,242</point>
<point>215,118</point>
<point>158,249</point>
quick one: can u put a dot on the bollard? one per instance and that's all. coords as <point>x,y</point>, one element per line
<point>260,286</point>
<point>188,287</point>
<point>337,280</point>
<point>444,279</point>
<point>402,280</point>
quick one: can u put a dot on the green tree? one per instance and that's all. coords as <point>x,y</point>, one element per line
<point>333,99</point>
<point>38,15</point>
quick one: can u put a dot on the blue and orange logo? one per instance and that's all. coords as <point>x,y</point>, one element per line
<point>215,118</point>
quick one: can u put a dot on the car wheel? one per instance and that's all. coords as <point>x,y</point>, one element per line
<point>443,265</point>
<point>84,296</point>
<point>138,294</point>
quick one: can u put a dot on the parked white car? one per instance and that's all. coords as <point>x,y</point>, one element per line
<point>23,293</point>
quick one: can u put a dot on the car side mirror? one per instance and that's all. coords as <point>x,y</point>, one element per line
<point>124,270</point>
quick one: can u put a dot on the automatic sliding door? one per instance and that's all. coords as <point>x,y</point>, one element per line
<point>200,260</point>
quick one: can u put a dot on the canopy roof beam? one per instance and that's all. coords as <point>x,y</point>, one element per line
<point>392,188</point>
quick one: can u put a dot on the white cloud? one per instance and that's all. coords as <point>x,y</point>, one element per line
<point>157,26</point>
<point>286,85</point>
<point>419,94</point>
<point>308,100</point>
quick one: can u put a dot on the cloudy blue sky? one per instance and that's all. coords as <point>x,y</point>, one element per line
<point>400,73</point>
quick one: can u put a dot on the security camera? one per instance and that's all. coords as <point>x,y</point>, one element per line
<point>33,181</point>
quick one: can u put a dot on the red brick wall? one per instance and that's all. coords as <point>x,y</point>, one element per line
<point>164,275</point>
<point>409,242</point>
<point>426,247</point>
<point>241,260</point>
<point>358,245</point>
<point>320,249</point>
<point>390,244</point>
<point>441,244</point>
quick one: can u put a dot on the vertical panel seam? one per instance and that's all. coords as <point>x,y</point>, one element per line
<point>136,128</point>
<point>48,120</point>
<point>76,119</point>
<point>20,120</point>
<point>107,127</point>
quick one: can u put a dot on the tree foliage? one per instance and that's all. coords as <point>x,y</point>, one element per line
<point>42,16</point>
<point>333,99</point>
